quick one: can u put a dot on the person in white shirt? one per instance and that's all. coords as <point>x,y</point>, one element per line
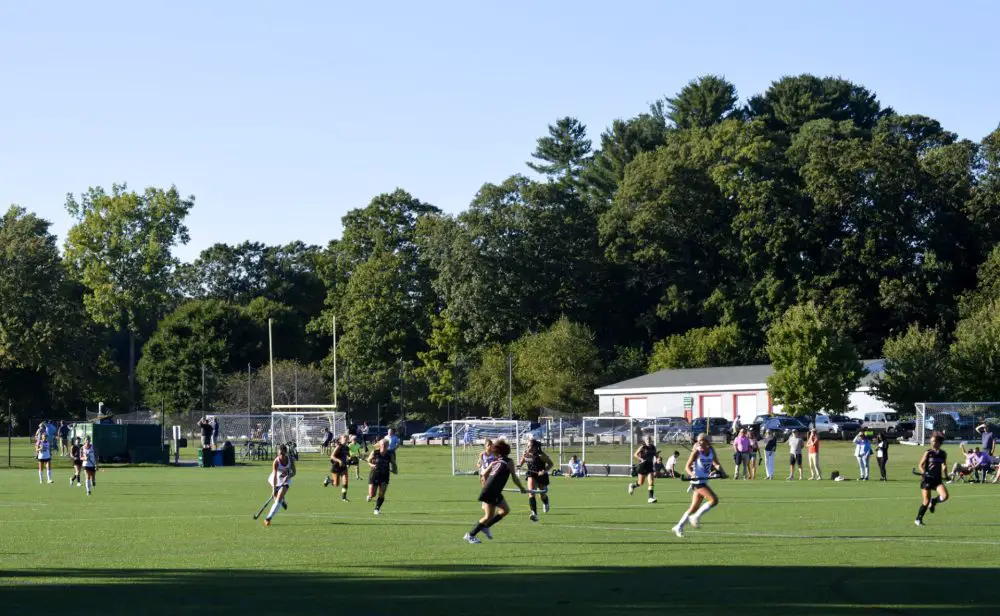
<point>670,467</point>
<point>577,468</point>
<point>392,444</point>
<point>862,451</point>
<point>794,455</point>
<point>43,451</point>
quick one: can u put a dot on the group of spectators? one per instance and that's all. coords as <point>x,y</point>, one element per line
<point>209,432</point>
<point>979,460</point>
<point>56,433</point>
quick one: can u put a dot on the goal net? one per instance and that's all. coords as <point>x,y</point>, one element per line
<point>239,428</point>
<point>468,436</point>
<point>607,445</point>
<point>957,421</point>
<point>306,428</point>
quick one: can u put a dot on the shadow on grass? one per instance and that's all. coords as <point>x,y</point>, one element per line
<point>448,590</point>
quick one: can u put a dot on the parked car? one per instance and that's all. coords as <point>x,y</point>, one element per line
<point>949,421</point>
<point>784,426</point>
<point>440,432</point>
<point>880,421</point>
<point>713,426</point>
<point>411,426</point>
<point>836,426</point>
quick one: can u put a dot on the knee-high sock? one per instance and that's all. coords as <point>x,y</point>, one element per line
<point>475,529</point>
<point>493,521</point>
<point>650,491</point>
<point>41,476</point>
<point>545,499</point>
<point>274,509</point>
<point>50,473</point>
<point>378,503</point>
<point>89,486</point>
<point>921,512</point>
<point>533,504</point>
<point>702,510</point>
<point>684,519</point>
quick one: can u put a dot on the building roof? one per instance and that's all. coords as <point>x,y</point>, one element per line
<point>697,378</point>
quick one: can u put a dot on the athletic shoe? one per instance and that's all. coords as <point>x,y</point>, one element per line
<point>918,522</point>
<point>344,498</point>
<point>267,522</point>
<point>790,477</point>
<point>326,481</point>
<point>377,512</point>
<point>545,507</point>
<point>695,521</point>
<point>651,499</point>
<point>631,488</point>
<point>932,507</point>
<point>368,499</point>
<point>50,481</point>
<point>284,505</point>
<point>678,530</point>
<point>470,539</point>
<point>533,517</point>
<point>488,534</point>
<point>88,493</point>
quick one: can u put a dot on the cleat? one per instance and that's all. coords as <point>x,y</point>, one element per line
<point>651,499</point>
<point>470,539</point>
<point>918,522</point>
<point>488,534</point>
<point>267,522</point>
<point>368,499</point>
<point>695,522</point>
<point>326,481</point>
<point>50,481</point>
<point>284,505</point>
<point>545,507</point>
<point>932,507</point>
<point>678,530</point>
<point>377,512</point>
<point>631,488</point>
<point>533,517</point>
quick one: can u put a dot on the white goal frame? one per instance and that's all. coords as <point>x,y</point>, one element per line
<point>304,428</point>
<point>469,442</point>
<point>974,410</point>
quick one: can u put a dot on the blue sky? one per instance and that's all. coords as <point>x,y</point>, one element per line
<point>281,116</point>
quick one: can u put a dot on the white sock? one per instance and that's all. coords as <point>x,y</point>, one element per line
<point>50,474</point>
<point>702,510</point>
<point>88,486</point>
<point>684,519</point>
<point>274,509</point>
<point>40,476</point>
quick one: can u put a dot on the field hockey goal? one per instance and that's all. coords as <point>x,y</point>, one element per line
<point>468,436</point>
<point>306,428</point>
<point>955,420</point>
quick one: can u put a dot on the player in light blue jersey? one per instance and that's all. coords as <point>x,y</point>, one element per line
<point>699,468</point>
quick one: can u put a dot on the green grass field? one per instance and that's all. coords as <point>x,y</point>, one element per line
<point>171,540</point>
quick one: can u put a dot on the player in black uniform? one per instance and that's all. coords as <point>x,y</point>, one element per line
<point>338,466</point>
<point>76,455</point>
<point>495,506</point>
<point>380,461</point>
<point>645,454</point>
<point>539,464</point>
<point>933,471</point>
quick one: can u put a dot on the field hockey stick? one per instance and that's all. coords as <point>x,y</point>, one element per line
<point>264,506</point>
<point>542,491</point>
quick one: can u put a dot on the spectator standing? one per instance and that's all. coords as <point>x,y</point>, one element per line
<point>363,431</point>
<point>206,433</point>
<point>741,454</point>
<point>52,431</point>
<point>794,454</point>
<point>63,438</point>
<point>754,452</point>
<point>392,444</point>
<point>862,451</point>
<point>770,449</point>
<point>882,454</point>
<point>812,447</point>
<point>215,431</point>
<point>989,441</point>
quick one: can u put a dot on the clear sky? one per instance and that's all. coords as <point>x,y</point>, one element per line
<point>281,116</point>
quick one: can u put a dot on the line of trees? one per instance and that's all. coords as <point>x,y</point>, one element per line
<point>809,226</point>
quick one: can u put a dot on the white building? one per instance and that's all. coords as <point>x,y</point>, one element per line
<point>713,392</point>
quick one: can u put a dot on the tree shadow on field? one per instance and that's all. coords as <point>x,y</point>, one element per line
<point>442,589</point>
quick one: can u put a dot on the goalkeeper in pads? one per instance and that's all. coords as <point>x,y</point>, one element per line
<point>495,506</point>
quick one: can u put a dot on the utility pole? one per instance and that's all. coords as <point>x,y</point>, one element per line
<point>402,377</point>
<point>510,386</point>
<point>203,411</point>
<point>249,377</point>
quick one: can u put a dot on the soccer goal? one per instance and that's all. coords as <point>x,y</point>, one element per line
<point>468,436</point>
<point>607,446</point>
<point>306,428</point>
<point>955,420</point>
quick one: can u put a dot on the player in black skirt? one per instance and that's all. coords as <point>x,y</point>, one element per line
<point>495,506</point>
<point>76,455</point>
<point>338,466</point>
<point>646,455</point>
<point>539,464</point>
<point>933,471</point>
<point>380,462</point>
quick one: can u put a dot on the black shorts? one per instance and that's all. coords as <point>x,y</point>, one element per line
<point>376,478</point>
<point>795,459</point>
<point>541,479</point>
<point>352,461</point>
<point>644,469</point>
<point>930,483</point>
<point>491,497</point>
<point>337,467</point>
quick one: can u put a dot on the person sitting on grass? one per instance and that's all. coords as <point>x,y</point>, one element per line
<point>577,468</point>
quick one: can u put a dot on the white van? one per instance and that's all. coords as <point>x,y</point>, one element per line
<point>880,421</point>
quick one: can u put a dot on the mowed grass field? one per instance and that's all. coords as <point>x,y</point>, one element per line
<point>165,540</point>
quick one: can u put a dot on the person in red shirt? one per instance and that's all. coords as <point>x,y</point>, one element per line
<point>812,447</point>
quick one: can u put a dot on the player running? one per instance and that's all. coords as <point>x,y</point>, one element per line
<point>282,471</point>
<point>354,455</point>
<point>539,464</point>
<point>43,451</point>
<point>495,506</point>
<point>380,462</point>
<point>338,466</point>
<point>933,467</point>
<point>699,468</point>
<point>645,454</point>
<point>76,456</point>
<point>89,462</point>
